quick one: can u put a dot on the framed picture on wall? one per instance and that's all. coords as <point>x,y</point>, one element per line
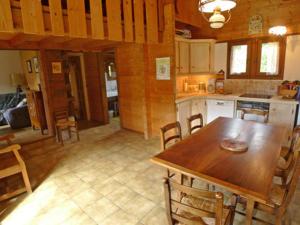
<point>29,67</point>
<point>56,67</point>
<point>35,64</point>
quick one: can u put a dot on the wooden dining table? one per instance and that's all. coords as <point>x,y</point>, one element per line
<point>248,174</point>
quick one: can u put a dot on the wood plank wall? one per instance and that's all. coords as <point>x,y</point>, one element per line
<point>147,104</point>
<point>130,70</point>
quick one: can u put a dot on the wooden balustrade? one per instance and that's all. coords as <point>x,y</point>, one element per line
<point>118,20</point>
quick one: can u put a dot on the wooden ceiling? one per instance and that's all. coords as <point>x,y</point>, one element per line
<point>274,12</point>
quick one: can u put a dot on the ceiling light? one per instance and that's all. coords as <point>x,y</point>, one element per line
<point>209,6</point>
<point>278,30</point>
<point>217,20</point>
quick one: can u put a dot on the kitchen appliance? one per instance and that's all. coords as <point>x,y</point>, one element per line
<point>219,108</point>
<point>263,106</point>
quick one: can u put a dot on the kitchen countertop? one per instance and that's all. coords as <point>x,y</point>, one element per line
<point>181,97</point>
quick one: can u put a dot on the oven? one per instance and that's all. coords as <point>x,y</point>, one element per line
<point>241,104</point>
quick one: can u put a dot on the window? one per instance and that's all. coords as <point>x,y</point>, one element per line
<point>261,58</point>
<point>269,62</point>
<point>238,59</point>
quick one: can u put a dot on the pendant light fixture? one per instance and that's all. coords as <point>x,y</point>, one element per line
<point>278,30</point>
<point>217,20</point>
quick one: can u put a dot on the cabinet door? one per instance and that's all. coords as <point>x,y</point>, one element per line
<point>184,57</point>
<point>199,106</point>
<point>200,57</point>
<point>183,112</point>
<point>283,115</point>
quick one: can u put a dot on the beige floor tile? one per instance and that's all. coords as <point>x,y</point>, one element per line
<point>157,216</point>
<point>79,219</point>
<point>101,210</point>
<point>86,198</point>
<point>138,206</point>
<point>124,176</point>
<point>120,218</point>
<point>121,196</point>
<point>107,186</point>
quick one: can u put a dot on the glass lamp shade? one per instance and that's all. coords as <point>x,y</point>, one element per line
<point>217,20</point>
<point>209,6</point>
<point>278,30</point>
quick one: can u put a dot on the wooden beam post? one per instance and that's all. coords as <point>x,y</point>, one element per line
<point>32,16</point>
<point>152,21</point>
<point>56,17</point>
<point>6,21</point>
<point>97,19</point>
<point>77,18</point>
<point>113,9</point>
<point>139,21</point>
<point>128,20</point>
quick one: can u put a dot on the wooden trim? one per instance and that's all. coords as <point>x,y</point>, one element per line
<point>249,54</point>
<point>77,18</point>
<point>128,20</point>
<point>152,21</point>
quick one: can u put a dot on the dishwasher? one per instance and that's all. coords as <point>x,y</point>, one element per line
<point>219,108</point>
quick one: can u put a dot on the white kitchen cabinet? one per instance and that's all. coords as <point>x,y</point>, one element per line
<point>219,108</point>
<point>183,113</point>
<point>200,57</point>
<point>194,56</point>
<point>199,106</point>
<point>283,115</point>
<point>184,57</point>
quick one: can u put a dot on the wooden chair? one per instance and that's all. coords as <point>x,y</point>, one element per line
<point>7,138</point>
<point>255,112</point>
<point>287,155</point>
<point>170,134</point>
<point>63,122</point>
<point>15,169</point>
<point>196,207</point>
<point>281,195</point>
<point>192,119</point>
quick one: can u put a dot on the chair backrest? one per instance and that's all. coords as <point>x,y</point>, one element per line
<point>256,112</point>
<point>292,181</point>
<point>170,133</point>
<point>192,119</point>
<point>61,115</point>
<point>295,138</point>
<point>211,204</point>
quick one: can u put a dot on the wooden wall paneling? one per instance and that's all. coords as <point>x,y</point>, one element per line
<point>6,21</point>
<point>32,16</point>
<point>56,17</point>
<point>139,27</point>
<point>128,20</point>
<point>131,86</point>
<point>77,18</point>
<point>114,22</point>
<point>152,21</point>
<point>187,12</point>
<point>98,111</point>
<point>97,19</point>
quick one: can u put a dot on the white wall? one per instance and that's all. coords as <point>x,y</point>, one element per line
<point>10,62</point>
<point>292,59</point>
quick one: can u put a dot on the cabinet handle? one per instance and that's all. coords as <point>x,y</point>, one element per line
<point>220,103</point>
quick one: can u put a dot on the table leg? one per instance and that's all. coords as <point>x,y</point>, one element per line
<point>249,211</point>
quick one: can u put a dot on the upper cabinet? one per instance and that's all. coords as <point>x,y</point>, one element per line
<point>194,56</point>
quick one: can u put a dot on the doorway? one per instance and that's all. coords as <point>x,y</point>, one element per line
<point>75,88</point>
<point>111,83</point>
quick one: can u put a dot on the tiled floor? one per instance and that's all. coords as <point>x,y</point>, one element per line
<point>104,179</point>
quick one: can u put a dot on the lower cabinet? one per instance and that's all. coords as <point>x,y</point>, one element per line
<point>186,109</point>
<point>283,115</point>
